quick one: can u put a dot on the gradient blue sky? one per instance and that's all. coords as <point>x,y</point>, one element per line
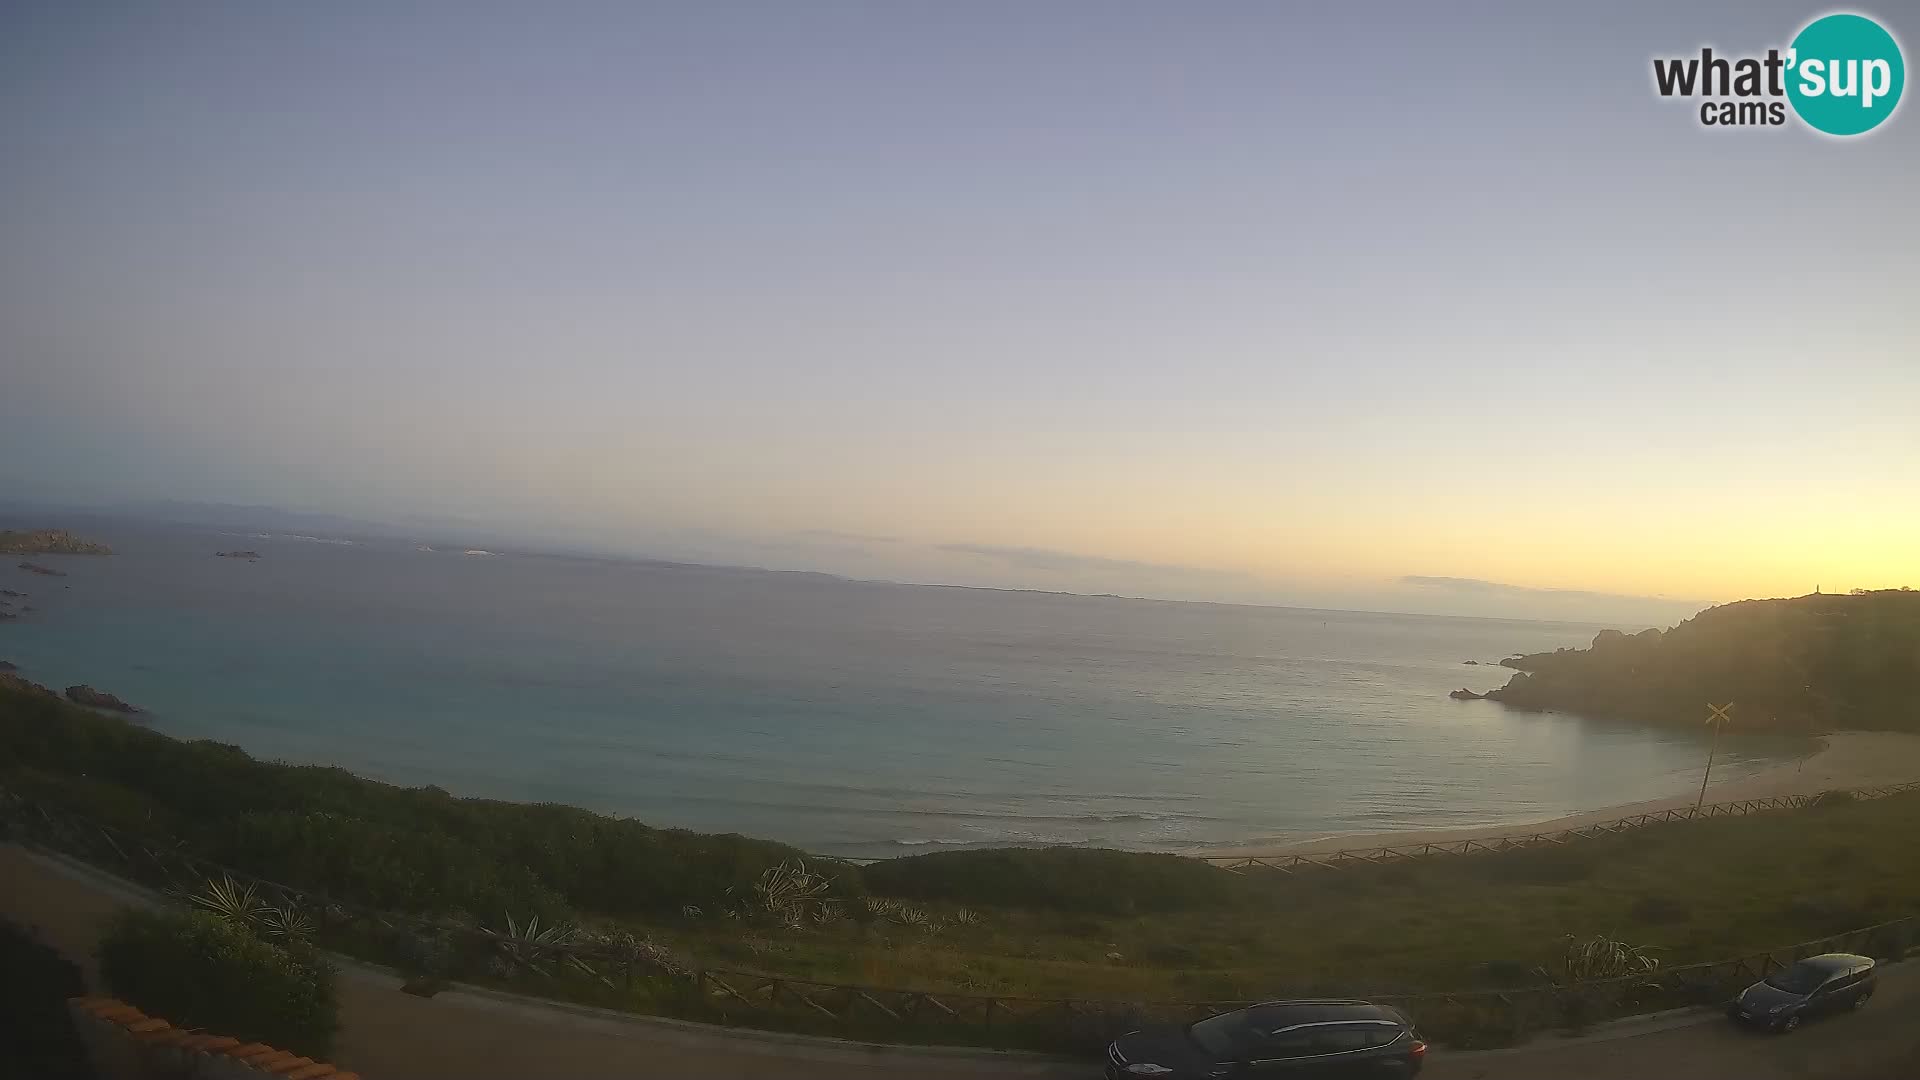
<point>1357,305</point>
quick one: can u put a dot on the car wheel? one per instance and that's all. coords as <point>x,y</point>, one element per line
<point>1790,1024</point>
<point>1861,1001</point>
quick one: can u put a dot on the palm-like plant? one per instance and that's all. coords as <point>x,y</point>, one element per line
<point>230,900</point>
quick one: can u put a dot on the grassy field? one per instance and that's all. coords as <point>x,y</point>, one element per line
<point>1047,923</point>
<point>1692,891</point>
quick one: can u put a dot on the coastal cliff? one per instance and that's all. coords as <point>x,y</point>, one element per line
<point>1809,663</point>
<point>48,542</point>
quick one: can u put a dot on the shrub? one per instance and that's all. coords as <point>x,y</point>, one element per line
<point>194,969</point>
<point>384,865</point>
<point>36,1038</point>
<point>1602,957</point>
<point>414,849</point>
<point>796,897</point>
<point>1060,879</point>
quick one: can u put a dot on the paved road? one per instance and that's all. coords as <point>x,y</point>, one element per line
<point>1880,1043</point>
<point>478,1036</point>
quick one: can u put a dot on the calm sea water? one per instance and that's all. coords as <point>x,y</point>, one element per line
<point>855,718</point>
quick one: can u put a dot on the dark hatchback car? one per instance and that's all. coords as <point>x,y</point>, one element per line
<point>1296,1040</point>
<point>1830,982</point>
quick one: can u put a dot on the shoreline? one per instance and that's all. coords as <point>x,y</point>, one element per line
<point>1846,759</point>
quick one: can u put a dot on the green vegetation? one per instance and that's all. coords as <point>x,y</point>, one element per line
<point>36,1037</point>
<point>1811,663</point>
<point>1059,879</point>
<point>195,969</point>
<point>1686,891</point>
<point>407,849</point>
<point>1052,923</point>
<point>48,542</point>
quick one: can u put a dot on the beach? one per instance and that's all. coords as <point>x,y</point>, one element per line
<point>1845,759</point>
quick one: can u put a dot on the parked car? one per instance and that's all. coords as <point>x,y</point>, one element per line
<point>1830,982</point>
<point>1294,1040</point>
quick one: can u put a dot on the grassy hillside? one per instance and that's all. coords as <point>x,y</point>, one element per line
<point>411,849</point>
<point>1810,663</point>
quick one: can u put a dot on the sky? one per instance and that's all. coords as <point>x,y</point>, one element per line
<point>1400,307</point>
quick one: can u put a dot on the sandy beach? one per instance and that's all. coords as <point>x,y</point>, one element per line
<point>1848,759</point>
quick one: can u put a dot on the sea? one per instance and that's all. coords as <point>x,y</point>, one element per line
<point>852,718</point>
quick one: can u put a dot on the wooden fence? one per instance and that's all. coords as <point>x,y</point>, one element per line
<point>623,972</point>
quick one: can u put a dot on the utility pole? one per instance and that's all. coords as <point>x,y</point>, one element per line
<point>1717,718</point>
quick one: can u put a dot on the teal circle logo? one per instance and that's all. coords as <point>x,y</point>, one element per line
<point>1845,74</point>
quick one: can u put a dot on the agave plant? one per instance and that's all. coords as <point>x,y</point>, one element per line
<point>1602,957</point>
<point>230,900</point>
<point>241,905</point>
<point>533,947</point>
<point>908,915</point>
<point>796,896</point>
<point>284,923</point>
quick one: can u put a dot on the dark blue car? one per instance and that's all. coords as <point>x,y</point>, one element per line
<point>1282,1040</point>
<point>1830,982</point>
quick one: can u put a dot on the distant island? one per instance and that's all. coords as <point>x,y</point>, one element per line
<point>48,542</point>
<point>1810,663</point>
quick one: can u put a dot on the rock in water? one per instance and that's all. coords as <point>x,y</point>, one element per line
<point>87,695</point>
<point>36,568</point>
<point>1464,694</point>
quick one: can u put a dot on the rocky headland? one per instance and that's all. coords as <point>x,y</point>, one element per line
<point>98,699</point>
<point>1811,663</point>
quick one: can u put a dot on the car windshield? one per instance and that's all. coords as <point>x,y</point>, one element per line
<point>1798,979</point>
<point>1224,1036</point>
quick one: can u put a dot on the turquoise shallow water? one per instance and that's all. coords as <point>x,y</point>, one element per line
<point>856,718</point>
